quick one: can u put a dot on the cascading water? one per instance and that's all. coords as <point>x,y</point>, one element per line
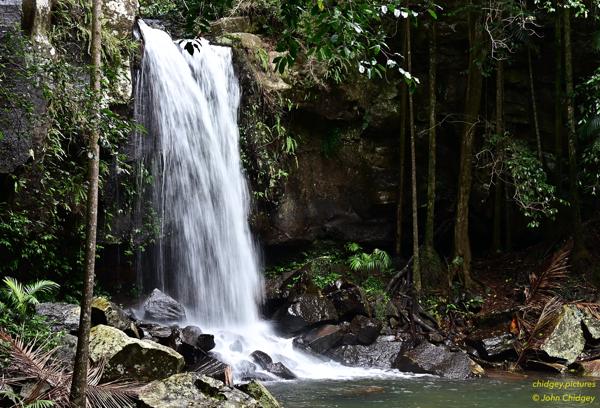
<point>187,97</point>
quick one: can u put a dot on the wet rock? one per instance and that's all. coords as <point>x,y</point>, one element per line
<point>61,316</point>
<point>193,336</point>
<point>431,359</point>
<point>348,299</point>
<point>260,393</point>
<point>106,312</point>
<point>366,329</point>
<point>165,335</point>
<point>380,354</point>
<point>495,348</point>
<point>143,360</point>
<point>566,342</point>
<point>264,361</point>
<point>305,311</point>
<point>162,308</point>
<point>321,339</point>
<point>194,390</point>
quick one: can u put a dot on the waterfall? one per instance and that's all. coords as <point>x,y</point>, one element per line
<point>187,98</point>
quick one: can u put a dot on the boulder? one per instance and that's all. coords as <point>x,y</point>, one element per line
<point>496,348</point>
<point>592,324</point>
<point>348,299</point>
<point>366,329</point>
<point>66,348</point>
<point>567,341</point>
<point>143,360</point>
<point>264,361</point>
<point>260,393</point>
<point>588,368</point>
<point>106,312</point>
<point>194,391</point>
<point>321,339</point>
<point>305,311</point>
<point>162,308</point>
<point>193,336</point>
<point>380,354</point>
<point>165,335</point>
<point>431,359</point>
<point>61,316</point>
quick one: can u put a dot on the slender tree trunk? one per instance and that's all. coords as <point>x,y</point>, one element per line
<point>431,168</point>
<point>558,100</point>
<point>536,123</point>
<point>462,244</point>
<point>413,168</point>
<point>80,369</point>
<point>402,164</point>
<point>498,197</point>
<point>572,135</point>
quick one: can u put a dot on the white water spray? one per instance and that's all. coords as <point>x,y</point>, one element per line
<point>187,97</point>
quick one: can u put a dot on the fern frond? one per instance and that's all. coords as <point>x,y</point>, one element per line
<point>543,284</point>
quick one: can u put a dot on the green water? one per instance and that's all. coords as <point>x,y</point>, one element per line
<point>432,392</point>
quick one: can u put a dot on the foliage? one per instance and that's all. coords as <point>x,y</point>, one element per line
<point>35,362</point>
<point>18,401</point>
<point>459,305</point>
<point>22,297</point>
<point>513,162</point>
<point>376,261</point>
<point>589,132</point>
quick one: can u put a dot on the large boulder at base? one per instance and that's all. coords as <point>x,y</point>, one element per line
<point>193,390</point>
<point>566,342</point>
<point>321,339</point>
<point>143,360</point>
<point>366,329</point>
<point>61,316</point>
<point>496,348</point>
<point>305,311</point>
<point>431,359</point>
<point>348,299</point>
<point>260,393</point>
<point>380,354</point>
<point>161,307</point>
<point>109,313</point>
<point>264,361</point>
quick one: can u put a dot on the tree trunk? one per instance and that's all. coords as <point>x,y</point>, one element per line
<point>80,369</point>
<point>558,101</point>
<point>498,197</point>
<point>462,244</point>
<point>402,164</point>
<point>536,123</point>
<point>413,172</point>
<point>432,143</point>
<point>572,135</point>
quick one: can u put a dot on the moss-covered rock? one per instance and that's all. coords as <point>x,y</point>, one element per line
<point>106,312</point>
<point>194,390</point>
<point>260,393</point>
<point>566,340</point>
<point>142,360</point>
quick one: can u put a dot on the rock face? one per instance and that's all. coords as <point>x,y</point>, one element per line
<point>592,324</point>
<point>380,354</point>
<point>566,341</point>
<point>305,311</point>
<point>67,346</point>
<point>61,316</point>
<point>140,359</point>
<point>366,329</point>
<point>431,359</point>
<point>348,299</point>
<point>194,390</point>
<point>258,391</point>
<point>163,308</point>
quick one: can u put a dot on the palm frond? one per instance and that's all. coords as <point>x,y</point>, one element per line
<point>15,292</point>
<point>543,284</point>
<point>41,286</point>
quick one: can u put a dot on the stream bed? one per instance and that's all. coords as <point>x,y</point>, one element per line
<point>501,391</point>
